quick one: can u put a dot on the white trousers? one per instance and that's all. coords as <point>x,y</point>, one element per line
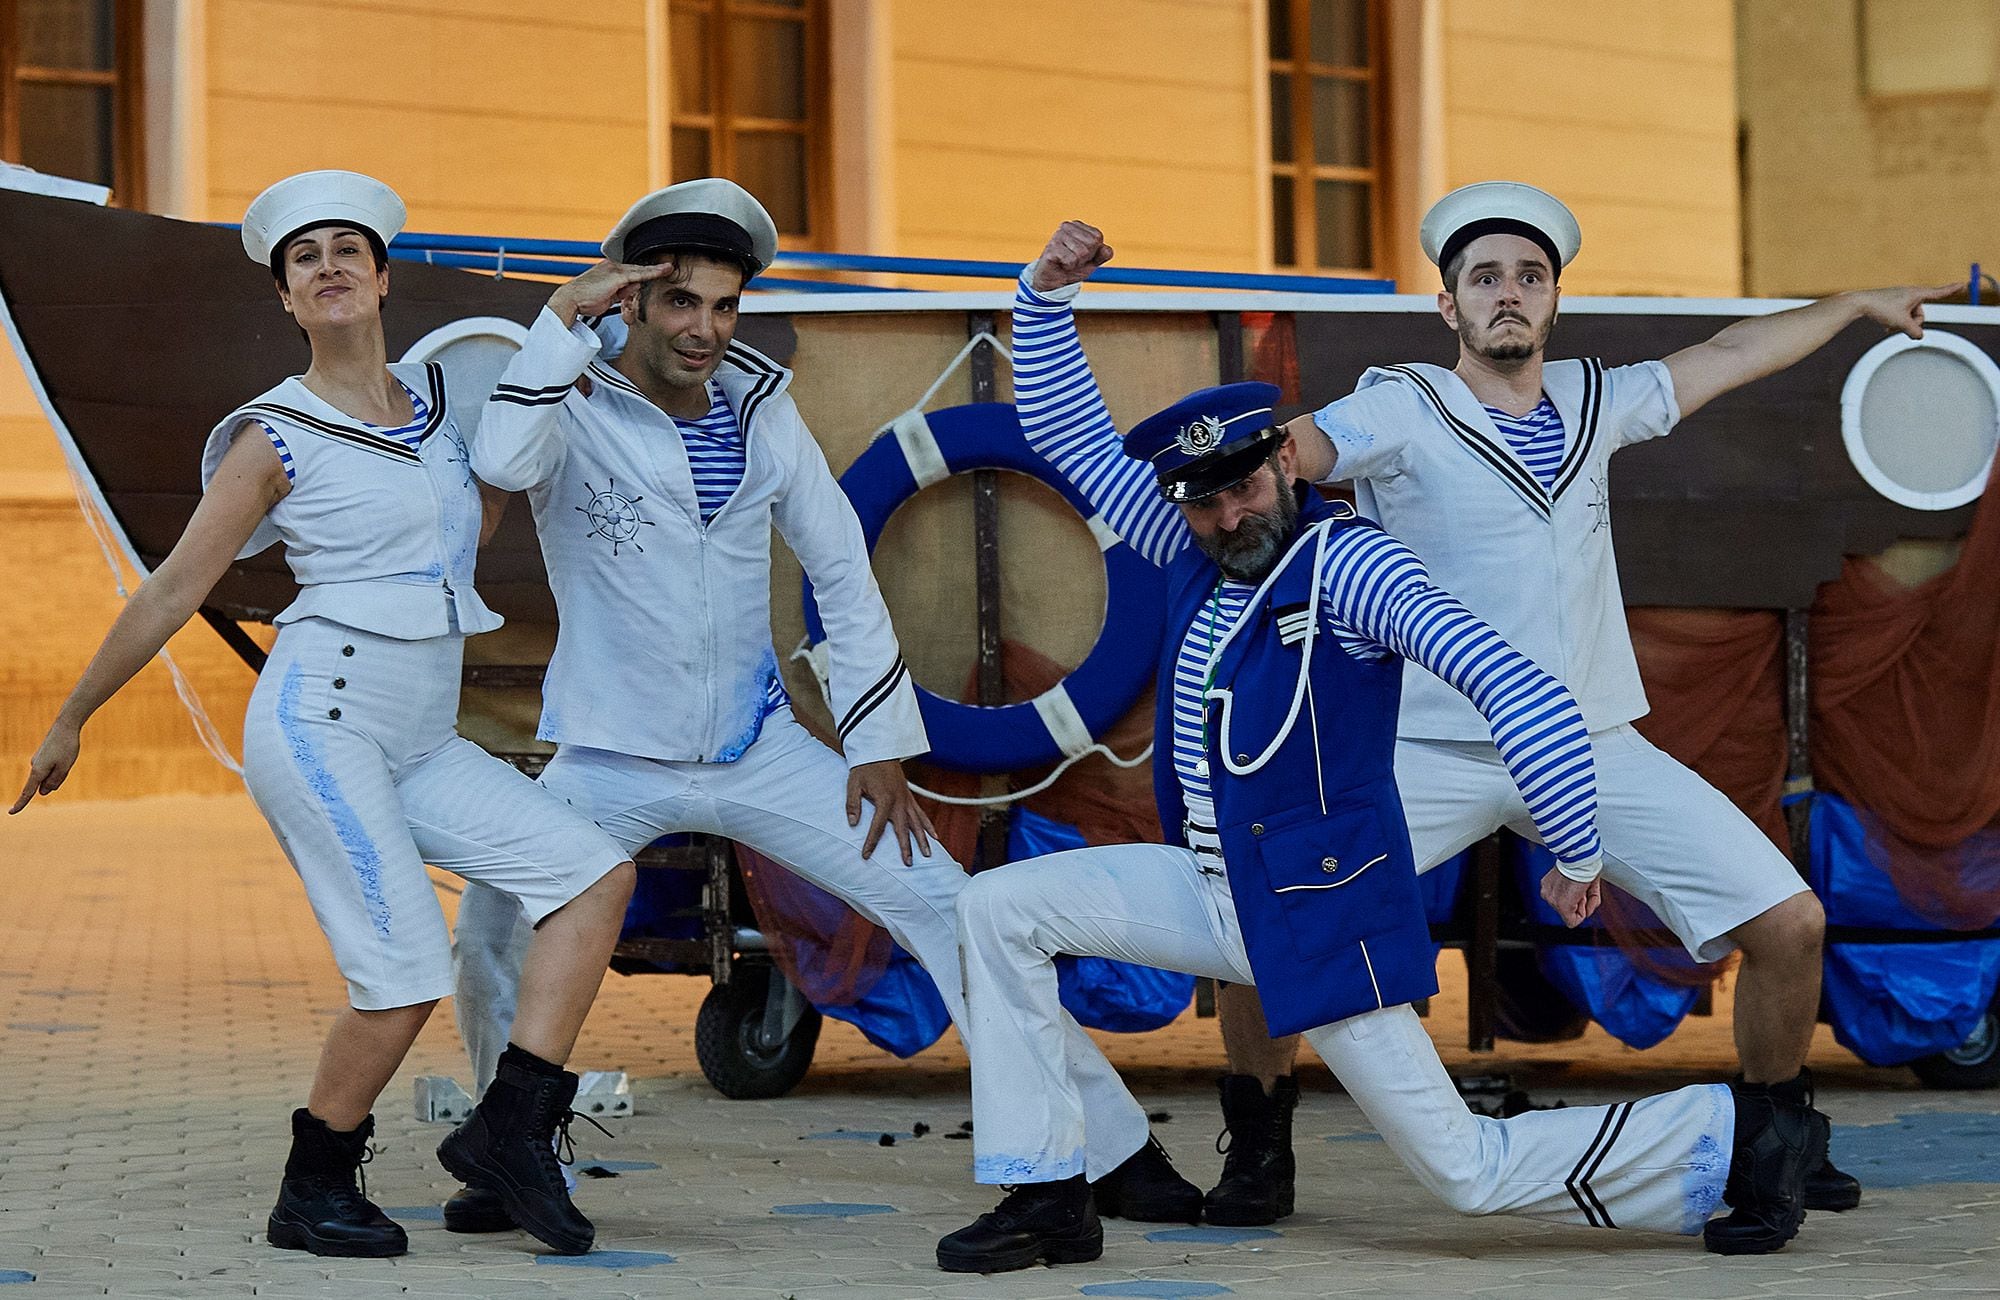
<point>787,799</point>
<point>1658,1163</point>
<point>1671,840</point>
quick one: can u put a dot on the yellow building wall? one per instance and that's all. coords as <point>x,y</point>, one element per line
<point>503,117</point>
<point>1843,190</point>
<point>30,465</point>
<point>978,127</point>
<point>1627,112</point>
<point>1140,116</point>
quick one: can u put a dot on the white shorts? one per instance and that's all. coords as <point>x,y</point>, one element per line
<point>350,752</point>
<point>1671,840</point>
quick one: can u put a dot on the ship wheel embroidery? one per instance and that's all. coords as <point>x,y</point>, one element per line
<point>614,517</point>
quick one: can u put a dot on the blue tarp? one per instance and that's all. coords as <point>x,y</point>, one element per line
<point>1634,1007</point>
<point>1890,1002</point>
<point>901,1012</point>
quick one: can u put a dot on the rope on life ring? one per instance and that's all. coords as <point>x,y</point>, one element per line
<point>1064,721</point>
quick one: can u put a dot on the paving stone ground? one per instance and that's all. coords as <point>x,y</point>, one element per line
<point>162,989</point>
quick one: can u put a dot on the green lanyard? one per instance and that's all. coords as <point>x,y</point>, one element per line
<point>1214,617</point>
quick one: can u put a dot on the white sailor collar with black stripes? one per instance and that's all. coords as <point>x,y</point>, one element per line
<point>1537,564</point>
<point>381,535</point>
<point>664,647</point>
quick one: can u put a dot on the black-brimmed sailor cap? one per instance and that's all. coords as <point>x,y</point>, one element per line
<point>711,215</point>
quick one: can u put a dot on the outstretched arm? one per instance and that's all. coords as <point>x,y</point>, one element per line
<point>1377,586</point>
<point>1763,345</point>
<point>248,482</point>
<point>1063,414</point>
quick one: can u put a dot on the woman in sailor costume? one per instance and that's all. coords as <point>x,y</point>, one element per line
<point>1496,473</point>
<point>349,745</point>
<point>1289,624</point>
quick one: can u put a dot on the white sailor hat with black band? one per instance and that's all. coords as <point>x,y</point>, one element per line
<point>711,214</point>
<point>1500,208</point>
<point>310,200</point>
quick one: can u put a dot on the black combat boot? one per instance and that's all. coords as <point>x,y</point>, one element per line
<point>1778,1142</point>
<point>475,1209</point>
<point>1047,1221</point>
<point>1147,1188</point>
<point>322,1208</point>
<point>1258,1171</point>
<point>508,1146</point>
<point>1827,1188</point>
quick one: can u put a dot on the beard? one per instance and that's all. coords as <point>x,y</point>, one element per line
<point>1249,553</point>
<point>1513,349</point>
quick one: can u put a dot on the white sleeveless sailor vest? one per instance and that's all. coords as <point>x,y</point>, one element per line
<point>381,536</point>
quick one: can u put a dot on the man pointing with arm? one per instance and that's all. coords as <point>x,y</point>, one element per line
<point>1496,473</point>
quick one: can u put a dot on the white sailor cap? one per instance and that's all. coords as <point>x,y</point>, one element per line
<point>299,203</point>
<point>711,214</point>
<point>1500,208</point>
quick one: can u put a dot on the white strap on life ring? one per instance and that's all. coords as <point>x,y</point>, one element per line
<point>913,431</point>
<point>1066,726</point>
<point>1058,714</point>
<point>920,447</point>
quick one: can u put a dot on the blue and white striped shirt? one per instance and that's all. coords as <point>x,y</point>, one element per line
<point>1537,438</point>
<point>715,453</point>
<point>717,459</point>
<point>1379,600</point>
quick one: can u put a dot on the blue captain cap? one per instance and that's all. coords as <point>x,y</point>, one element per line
<point>1209,441</point>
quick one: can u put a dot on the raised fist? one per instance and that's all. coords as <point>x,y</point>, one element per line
<point>1074,251</point>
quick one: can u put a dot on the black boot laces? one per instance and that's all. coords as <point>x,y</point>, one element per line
<point>1018,1204</point>
<point>562,1150</point>
<point>348,1190</point>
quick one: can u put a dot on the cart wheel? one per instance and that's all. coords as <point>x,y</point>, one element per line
<point>730,1043</point>
<point>1974,1063</point>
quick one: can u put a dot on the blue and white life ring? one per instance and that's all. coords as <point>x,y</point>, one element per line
<point>920,450</point>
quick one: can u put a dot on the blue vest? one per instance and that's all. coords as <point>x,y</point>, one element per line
<point>1312,828</point>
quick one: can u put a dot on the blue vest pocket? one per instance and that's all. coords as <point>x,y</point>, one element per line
<point>1336,878</point>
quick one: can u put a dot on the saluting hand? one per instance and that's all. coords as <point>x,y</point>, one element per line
<point>884,786</point>
<point>1074,251</point>
<point>50,766</point>
<point>1573,902</point>
<point>1901,309</point>
<point>602,288</point>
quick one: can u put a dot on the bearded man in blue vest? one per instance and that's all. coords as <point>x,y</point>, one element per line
<point>1290,620</point>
